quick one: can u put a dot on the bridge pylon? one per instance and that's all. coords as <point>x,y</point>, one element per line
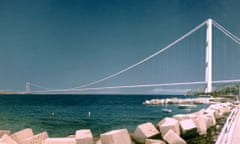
<point>28,90</point>
<point>208,69</point>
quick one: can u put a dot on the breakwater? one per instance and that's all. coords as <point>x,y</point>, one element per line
<point>180,127</point>
<point>179,101</point>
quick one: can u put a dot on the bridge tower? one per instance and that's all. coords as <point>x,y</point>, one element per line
<point>28,90</point>
<point>208,70</point>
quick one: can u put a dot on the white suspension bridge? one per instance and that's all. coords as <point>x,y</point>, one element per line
<point>211,54</point>
<point>214,61</point>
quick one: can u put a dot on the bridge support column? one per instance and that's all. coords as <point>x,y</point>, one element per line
<point>28,88</point>
<point>208,70</point>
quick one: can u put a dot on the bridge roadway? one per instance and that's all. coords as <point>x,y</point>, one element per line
<point>230,133</point>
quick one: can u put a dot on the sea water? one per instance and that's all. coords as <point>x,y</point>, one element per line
<point>62,115</point>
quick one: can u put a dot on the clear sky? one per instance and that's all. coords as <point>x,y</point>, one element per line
<point>67,43</point>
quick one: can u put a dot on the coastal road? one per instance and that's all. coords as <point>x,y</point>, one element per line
<point>231,130</point>
<point>234,138</point>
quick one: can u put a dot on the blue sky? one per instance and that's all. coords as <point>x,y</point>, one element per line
<point>67,43</point>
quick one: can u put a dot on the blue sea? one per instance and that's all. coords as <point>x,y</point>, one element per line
<point>62,115</point>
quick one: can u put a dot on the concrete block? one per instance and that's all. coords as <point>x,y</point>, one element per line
<point>22,135</point>
<point>6,139</point>
<point>3,132</point>
<point>200,112</point>
<point>220,109</point>
<point>180,117</point>
<point>169,124</point>
<point>192,115</point>
<point>209,111</point>
<point>99,142</point>
<point>36,139</point>
<point>59,141</point>
<point>201,123</point>
<point>229,105</point>
<point>146,130</point>
<point>138,140</point>
<point>116,137</point>
<point>211,121</point>
<point>188,128</point>
<point>224,108</point>
<point>172,138</point>
<point>217,111</point>
<point>153,141</point>
<point>84,136</point>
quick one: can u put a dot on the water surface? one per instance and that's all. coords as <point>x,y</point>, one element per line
<point>62,115</point>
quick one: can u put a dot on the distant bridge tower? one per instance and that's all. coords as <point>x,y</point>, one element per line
<point>208,70</point>
<point>28,90</point>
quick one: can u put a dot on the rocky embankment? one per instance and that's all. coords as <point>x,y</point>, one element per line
<point>172,130</point>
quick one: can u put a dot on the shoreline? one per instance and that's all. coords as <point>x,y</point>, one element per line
<point>189,140</point>
<point>212,134</point>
